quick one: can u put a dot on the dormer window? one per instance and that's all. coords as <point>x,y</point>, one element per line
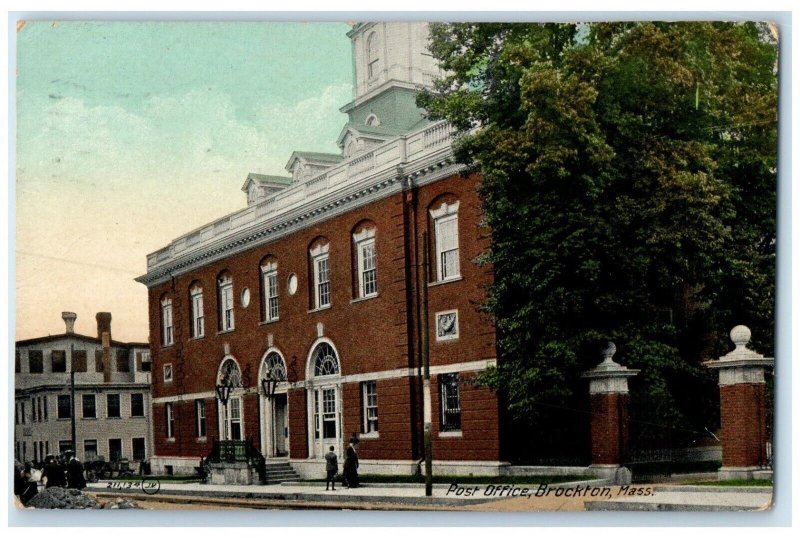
<point>372,120</point>
<point>373,61</point>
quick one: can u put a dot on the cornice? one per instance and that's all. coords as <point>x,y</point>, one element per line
<point>434,167</point>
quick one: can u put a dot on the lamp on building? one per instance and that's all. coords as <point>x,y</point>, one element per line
<point>268,383</point>
<point>223,394</point>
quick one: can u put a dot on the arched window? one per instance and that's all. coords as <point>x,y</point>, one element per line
<point>197,328</point>
<point>372,120</point>
<point>324,360</point>
<point>320,272</point>
<point>225,295</point>
<point>444,217</point>
<point>167,336</point>
<point>269,287</point>
<point>372,56</point>
<point>365,260</point>
<point>229,374</point>
<point>274,364</point>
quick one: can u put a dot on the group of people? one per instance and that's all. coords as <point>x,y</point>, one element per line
<point>350,472</point>
<point>57,471</point>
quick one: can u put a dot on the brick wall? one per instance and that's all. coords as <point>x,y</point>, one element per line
<point>744,424</point>
<point>370,336</point>
<point>609,428</point>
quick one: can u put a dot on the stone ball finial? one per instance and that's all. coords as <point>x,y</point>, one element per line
<point>609,351</point>
<point>740,335</point>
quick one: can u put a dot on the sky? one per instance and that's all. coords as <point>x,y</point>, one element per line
<point>130,134</point>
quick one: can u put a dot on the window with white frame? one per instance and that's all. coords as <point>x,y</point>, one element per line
<point>89,406</point>
<point>369,398</point>
<point>322,278</point>
<point>450,403</point>
<point>367,260</point>
<point>200,415</point>
<point>445,221</point>
<point>169,420</point>
<point>269,277</point>
<point>226,303</point>
<point>198,320</point>
<point>166,321</point>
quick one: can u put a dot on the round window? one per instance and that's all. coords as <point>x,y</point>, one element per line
<point>245,297</point>
<point>292,284</point>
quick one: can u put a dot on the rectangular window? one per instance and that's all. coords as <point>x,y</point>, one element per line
<point>447,247</point>
<point>89,406</point>
<point>17,362</point>
<point>316,414</point>
<point>138,446</point>
<point>89,449</point>
<point>328,413</point>
<point>44,406</point>
<point>323,283</point>
<point>63,446</point>
<point>198,321</point>
<point>79,360</point>
<point>123,360</point>
<point>367,268</point>
<point>226,305</point>
<point>369,398</point>
<point>33,409</point>
<point>146,363</point>
<point>137,404</point>
<point>112,405</point>
<point>166,323</point>
<point>98,361</point>
<point>114,449</point>
<point>235,419</point>
<point>35,361</point>
<point>58,360</point>
<point>169,420</point>
<point>64,406</point>
<point>200,415</point>
<point>450,403</point>
<point>271,294</point>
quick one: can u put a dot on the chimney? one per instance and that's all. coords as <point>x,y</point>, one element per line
<point>103,324</point>
<point>69,320</point>
<point>104,335</point>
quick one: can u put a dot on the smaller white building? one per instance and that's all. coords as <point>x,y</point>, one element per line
<point>111,408</point>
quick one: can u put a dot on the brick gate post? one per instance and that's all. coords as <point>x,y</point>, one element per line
<point>608,393</point>
<point>742,407</point>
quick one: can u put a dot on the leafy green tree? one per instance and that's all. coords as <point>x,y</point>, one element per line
<point>629,182</point>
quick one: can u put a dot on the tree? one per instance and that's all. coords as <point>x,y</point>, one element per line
<point>629,181</point>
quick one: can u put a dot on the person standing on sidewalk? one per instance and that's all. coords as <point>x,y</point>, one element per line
<point>331,467</point>
<point>351,464</point>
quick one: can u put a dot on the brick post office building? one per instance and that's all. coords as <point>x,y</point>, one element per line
<point>319,282</point>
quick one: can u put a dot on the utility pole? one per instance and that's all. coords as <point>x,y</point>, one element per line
<point>72,396</point>
<point>426,371</point>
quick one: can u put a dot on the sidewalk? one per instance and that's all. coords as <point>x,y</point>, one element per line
<point>413,494</point>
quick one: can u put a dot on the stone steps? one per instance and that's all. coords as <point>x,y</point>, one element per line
<point>275,473</point>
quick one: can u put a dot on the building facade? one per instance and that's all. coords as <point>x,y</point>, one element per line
<point>111,405</point>
<point>316,303</point>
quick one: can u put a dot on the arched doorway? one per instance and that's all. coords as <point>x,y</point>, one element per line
<point>274,406</point>
<point>323,376</point>
<point>231,421</point>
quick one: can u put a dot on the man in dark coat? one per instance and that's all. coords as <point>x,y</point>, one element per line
<point>53,473</point>
<point>351,464</point>
<point>75,478</point>
<point>331,468</point>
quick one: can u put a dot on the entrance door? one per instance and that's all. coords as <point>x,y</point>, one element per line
<point>326,419</point>
<point>281,430</point>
